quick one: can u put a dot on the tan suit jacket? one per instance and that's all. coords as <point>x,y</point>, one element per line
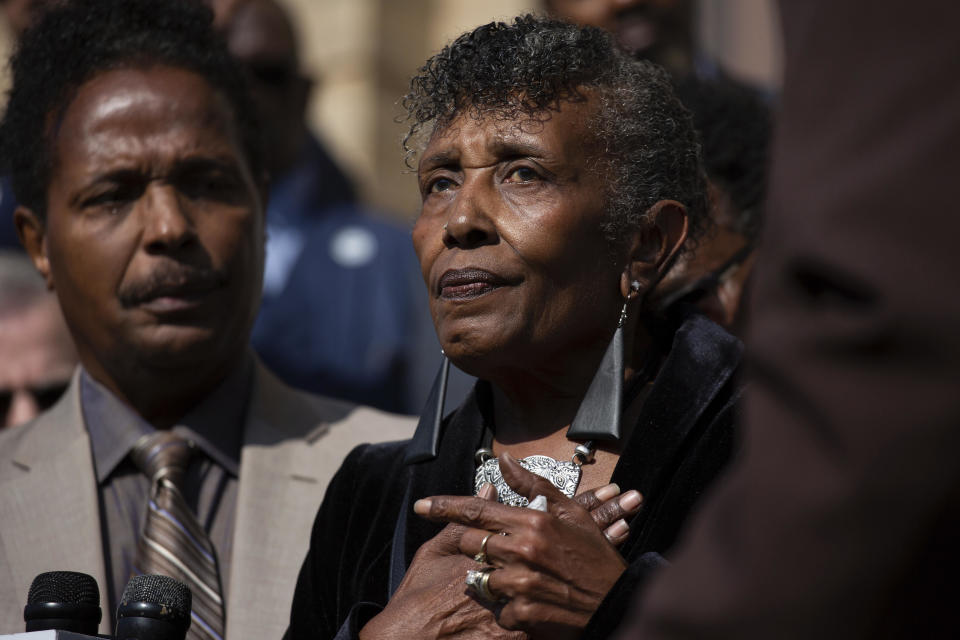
<point>293,443</point>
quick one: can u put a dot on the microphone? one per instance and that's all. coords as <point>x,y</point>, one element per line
<point>154,607</point>
<point>63,600</point>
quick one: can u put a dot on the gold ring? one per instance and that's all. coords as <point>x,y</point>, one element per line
<point>483,587</point>
<point>481,557</point>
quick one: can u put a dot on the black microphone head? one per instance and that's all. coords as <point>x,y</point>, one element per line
<point>64,586</point>
<point>64,600</point>
<point>154,607</point>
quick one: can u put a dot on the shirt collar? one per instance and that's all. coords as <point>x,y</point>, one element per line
<point>216,424</point>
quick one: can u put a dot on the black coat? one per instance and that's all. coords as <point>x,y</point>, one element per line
<point>366,534</point>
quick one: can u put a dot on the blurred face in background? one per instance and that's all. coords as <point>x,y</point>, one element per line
<point>656,30</point>
<point>20,14</point>
<point>261,38</point>
<point>37,358</point>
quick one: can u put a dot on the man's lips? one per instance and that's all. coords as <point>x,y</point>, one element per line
<point>464,284</point>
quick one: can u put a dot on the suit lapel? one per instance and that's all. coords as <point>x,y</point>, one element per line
<point>283,476</point>
<point>51,515</point>
<point>279,475</point>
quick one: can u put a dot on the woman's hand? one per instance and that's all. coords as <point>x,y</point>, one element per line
<point>552,568</point>
<point>433,601</point>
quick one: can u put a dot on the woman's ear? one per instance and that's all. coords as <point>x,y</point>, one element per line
<point>654,248</point>
<point>33,237</point>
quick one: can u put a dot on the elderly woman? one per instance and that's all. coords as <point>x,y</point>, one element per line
<point>559,180</point>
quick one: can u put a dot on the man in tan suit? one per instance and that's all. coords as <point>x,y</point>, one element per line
<point>134,156</point>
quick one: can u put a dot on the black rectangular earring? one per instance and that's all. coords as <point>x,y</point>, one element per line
<point>426,439</point>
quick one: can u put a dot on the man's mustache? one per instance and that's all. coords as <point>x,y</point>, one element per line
<point>176,280</point>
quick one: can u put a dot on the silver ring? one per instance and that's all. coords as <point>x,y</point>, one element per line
<point>481,557</point>
<point>479,581</point>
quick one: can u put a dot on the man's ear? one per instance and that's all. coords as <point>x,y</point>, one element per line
<point>33,236</point>
<point>654,248</point>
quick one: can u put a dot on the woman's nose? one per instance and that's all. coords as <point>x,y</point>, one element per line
<point>472,219</point>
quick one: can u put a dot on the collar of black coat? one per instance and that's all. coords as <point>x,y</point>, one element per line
<point>703,359</point>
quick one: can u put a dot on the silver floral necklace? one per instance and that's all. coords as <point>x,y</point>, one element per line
<point>565,476</point>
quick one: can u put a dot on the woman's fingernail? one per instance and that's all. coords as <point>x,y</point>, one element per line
<point>630,500</point>
<point>618,529</point>
<point>606,492</point>
<point>487,491</point>
<point>422,507</point>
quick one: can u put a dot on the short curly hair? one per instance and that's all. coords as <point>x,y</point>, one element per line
<point>78,39</point>
<point>529,67</point>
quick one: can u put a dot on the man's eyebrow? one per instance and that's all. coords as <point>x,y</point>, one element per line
<point>224,163</point>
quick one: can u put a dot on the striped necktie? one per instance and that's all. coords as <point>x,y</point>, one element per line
<point>173,543</point>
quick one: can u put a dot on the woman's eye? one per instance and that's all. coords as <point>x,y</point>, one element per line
<point>522,174</point>
<point>441,184</point>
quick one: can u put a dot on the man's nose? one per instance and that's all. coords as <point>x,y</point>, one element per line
<point>167,221</point>
<point>23,408</point>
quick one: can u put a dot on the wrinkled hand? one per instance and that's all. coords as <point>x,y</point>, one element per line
<point>433,601</point>
<point>552,569</point>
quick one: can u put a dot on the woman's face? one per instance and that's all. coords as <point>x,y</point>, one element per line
<point>518,270</point>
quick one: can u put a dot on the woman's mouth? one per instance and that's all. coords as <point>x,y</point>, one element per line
<point>466,284</point>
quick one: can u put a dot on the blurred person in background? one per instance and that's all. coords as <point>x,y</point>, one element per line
<point>135,154</point>
<point>37,356</point>
<point>660,31</point>
<point>18,15</point>
<point>734,124</point>
<point>841,517</point>
<point>343,311</point>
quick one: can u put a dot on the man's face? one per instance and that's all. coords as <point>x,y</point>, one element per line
<point>154,233</point>
<point>37,359</point>
<point>657,30</point>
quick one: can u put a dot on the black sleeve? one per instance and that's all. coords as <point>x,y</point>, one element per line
<point>621,597</point>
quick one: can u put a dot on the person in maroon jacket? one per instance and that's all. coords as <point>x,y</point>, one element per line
<point>841,520</point>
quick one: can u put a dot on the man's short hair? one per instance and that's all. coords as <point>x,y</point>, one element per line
<point>648,150</point>
<point>76,40</point>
